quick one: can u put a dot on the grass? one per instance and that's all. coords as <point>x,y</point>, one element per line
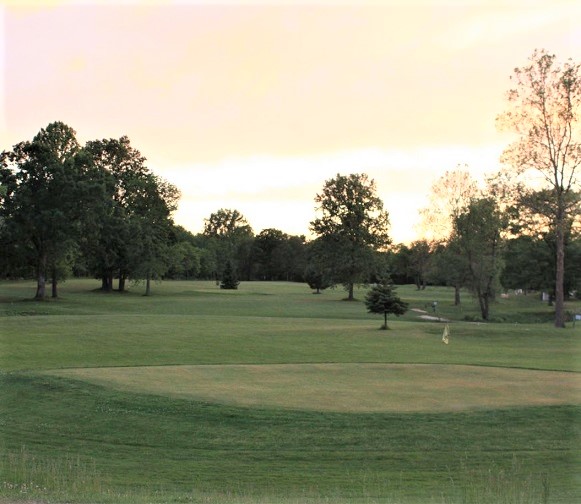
<point>345,387</point>
<point>272,394</point>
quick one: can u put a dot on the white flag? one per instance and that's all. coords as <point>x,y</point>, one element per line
<point>446,335</point>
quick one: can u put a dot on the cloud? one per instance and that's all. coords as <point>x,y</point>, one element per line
<point>279,192</point>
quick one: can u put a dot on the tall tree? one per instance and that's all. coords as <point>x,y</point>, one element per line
<point>46,196</point>
<point>109,246</point>
<point>448,266</point>
<point>226,223</point>
<point>448,196</point>
<point>184,255</point>
<point>352,215</point>
<point>231,236</point>
<point>544,111</point>
<point>150,215</point>
<point>478,235</point>
<point>420,255</point>
<point>268,247</point>
<point>131,227</point>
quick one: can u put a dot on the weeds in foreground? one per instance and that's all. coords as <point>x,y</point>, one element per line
<point>28,478</point>
<point>497,485</point>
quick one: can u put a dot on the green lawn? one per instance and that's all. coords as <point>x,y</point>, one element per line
<point>273,394</point>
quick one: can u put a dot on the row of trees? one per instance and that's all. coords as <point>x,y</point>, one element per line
<point>97,205</point>
<point>536,196</point>
<point>98,210</point>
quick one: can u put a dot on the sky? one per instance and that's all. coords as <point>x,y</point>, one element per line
<point>254,105</point>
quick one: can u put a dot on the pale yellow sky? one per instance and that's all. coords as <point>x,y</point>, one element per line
<point>252,105</point>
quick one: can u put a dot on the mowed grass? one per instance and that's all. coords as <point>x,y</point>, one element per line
<point>346,388</point>
<point>273,394</point>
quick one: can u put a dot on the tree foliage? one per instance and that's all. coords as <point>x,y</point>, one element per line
<point>318,272</point>
<point>131,235</point>
<point>449,266</point>
<point>230,237</point>
<point>478,236</point>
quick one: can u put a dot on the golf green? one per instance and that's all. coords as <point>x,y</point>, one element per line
<point>346,387</point>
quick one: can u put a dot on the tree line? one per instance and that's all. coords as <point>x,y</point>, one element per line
<point>97,210</point>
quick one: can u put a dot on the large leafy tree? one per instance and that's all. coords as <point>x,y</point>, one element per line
<point>226,223</point>
<point>47,194</point>
<point>478,235</point>
<point>184,255</point>
<point>448,196</point>
<point>230,236</point>
<point>154,200</point>
<point>448,266</point>
<point>111,244</point>
<point>543,163</point>
<point>132,224</point>
<point>352,216</point>
<point>278,256</point>
<point>528,264</point>
<point>420,259</point>
<point>268,254</point>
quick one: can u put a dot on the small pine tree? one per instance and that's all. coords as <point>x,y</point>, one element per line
<point>229,277</point>
<point>382,299</point>
<point>317,279</point>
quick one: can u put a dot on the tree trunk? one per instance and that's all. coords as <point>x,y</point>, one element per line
<point>121,283</point>
<point>107,282</point>
<point>41,279</point>
<point>456,295</point>
<point>483,306</point>
<point>148,285</point>
<point>560,277</point>
<point>40,287</point>
<point>350,296</point>
<point>54,285</point>
<point>483,302</point>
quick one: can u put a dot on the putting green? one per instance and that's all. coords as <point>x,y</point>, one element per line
<point>346,387</point>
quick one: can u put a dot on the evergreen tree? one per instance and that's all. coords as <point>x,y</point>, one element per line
<point>382,299</point>
<point>229,277</point>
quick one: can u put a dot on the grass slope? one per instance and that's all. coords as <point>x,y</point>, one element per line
<point>67,439</point>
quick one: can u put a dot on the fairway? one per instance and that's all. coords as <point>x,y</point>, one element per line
<point>271,394</point>
<point>346,387</point>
